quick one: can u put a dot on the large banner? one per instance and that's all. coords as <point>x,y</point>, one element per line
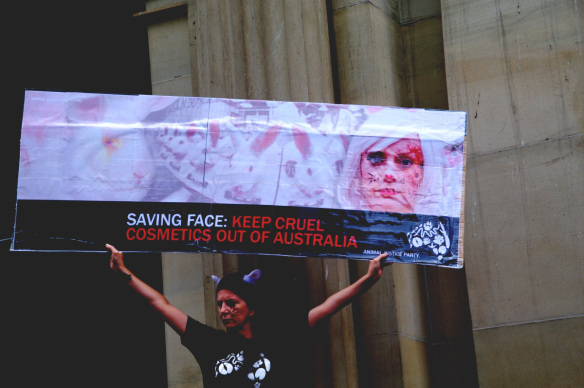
<point>187,174</point>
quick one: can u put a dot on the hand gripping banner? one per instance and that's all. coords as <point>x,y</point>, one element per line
<point>189,174</point>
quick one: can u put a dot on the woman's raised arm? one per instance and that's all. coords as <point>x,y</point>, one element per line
<point>348,294</point>
<point>172,315</point>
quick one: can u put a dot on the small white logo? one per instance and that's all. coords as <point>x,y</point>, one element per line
<point>430,235</point>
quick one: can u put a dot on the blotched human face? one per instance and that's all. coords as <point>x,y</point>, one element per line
<point>233,311</point>
<point>390,176</point>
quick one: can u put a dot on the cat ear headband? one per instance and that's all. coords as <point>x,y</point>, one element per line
<point>251,278</point>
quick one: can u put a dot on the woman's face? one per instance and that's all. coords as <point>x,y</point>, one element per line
<point>390,176</point>
<point>233,311</point>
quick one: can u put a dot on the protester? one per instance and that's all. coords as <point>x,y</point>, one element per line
<point>249,353</point>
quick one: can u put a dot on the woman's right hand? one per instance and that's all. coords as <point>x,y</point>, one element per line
<point>116,259</point>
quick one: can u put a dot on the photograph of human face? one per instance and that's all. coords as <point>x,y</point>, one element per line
<point>391,175</point>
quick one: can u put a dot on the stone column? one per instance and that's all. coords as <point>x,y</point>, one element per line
<point>275,50</point>
<point>390,53</point>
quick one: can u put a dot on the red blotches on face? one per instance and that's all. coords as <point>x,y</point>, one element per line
<point>391,175</point>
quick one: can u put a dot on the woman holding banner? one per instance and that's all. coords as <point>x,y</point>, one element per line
<point>264,344</point>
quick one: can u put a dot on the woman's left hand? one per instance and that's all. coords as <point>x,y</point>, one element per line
<point>376,267</point>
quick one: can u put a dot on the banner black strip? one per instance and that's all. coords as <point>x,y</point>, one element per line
<point>241,229</point>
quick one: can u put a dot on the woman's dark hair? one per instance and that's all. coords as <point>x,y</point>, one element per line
<point>246,290</point>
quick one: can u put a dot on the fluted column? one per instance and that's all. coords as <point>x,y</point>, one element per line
<point>273,50</point>
<point>390,53</point>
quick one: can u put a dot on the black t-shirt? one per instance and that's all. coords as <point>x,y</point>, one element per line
<point>230,360</point>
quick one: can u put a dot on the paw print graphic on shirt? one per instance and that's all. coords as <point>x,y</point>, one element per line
<point>231,363</point>
<point>259,370</point>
